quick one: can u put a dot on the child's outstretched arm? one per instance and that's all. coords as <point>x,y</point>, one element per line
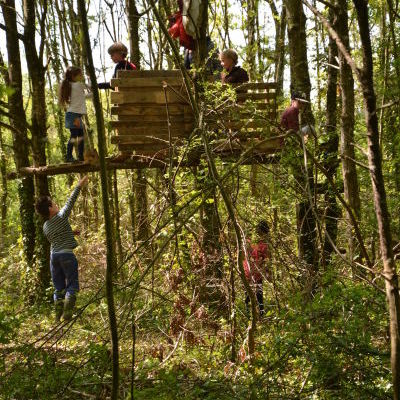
<point>66,210</point>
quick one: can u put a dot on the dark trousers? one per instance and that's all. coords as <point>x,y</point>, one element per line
<point>259,296</point>
<point>64,274</point>
<point>76,135</point>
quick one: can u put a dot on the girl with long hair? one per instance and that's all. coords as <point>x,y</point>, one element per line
<point>72,97</point>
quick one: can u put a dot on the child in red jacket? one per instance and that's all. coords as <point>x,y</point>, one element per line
<point>256,268</point>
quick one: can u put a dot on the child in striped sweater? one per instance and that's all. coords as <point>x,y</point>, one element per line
<point>63,263</point>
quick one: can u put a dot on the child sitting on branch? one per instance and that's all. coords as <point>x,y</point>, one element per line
<point>63,263</point>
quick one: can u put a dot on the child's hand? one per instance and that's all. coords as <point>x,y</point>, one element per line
<point>83,182</point>
<point>77,122</point>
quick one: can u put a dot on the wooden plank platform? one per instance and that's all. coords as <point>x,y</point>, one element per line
<point>143,127</point>
<point>139,105</point>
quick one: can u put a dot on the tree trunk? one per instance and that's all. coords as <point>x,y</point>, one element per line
<point>300,81</point>
<point>117,218</point>
<point>38,126</point>
<point>378,187</point>
<point>111,266</point>
<point>349,171</point>
<point>280,34</point>
<point>20,138</point>
<point>4,194</point>
<point>133,25</point>
<point>330,148</point>
<point>251,45</point>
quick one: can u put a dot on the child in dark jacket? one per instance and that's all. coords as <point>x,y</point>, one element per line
<point>256,268</point>
<point>118,52</point>
<point>63,263</point>
<point>235,74</point>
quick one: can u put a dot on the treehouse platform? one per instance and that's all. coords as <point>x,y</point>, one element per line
<point>154,114</point>
<point>153,118</point>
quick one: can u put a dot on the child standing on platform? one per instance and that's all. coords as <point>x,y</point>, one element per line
<point>256,268</point>
<point>118,52</point>
<point>63,263</point>
<point>72,96</point>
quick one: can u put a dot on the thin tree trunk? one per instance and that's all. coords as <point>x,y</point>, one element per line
<point>20,138</point>
<point>251,45</point>
<point>4,194</point>
<point>349,170</point>
<point>38,128</point>
<point>331,149</point>
<point>133,26</point>
<point>378,186</point>
<point>280,34</point>
<point>117,217</point>
<point>300,81</point>
<point>111,265</point>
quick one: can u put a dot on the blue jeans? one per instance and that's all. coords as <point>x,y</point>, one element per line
<point>64,273</point>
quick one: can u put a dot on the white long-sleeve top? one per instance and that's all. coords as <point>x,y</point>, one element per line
<point>77,102</point>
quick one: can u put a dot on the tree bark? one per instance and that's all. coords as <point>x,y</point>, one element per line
<point>38,128</point>
<point>330,148</point>
<point>20,137</point>
<point>251,45</point>
<point>133,26</point>
<point>4,194</point>
<point>280,34</point>
<point>111,265</point>
<point>379,191</point>
<point>347,153</point>
<point>300,81</point>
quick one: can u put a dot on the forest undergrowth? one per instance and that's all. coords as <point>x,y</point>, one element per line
<point>330,346</point>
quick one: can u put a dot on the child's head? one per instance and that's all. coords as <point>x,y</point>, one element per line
<point>45,207</point>
<point>229,59</point>
<point>72,74</point>
<point>118,52</point>
<point>262,228</point>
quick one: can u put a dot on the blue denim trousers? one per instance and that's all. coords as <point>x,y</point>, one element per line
<point>64,273</point>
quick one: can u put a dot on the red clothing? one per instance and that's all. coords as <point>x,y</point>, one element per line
<point>258,254</point>
<point>290,118</point>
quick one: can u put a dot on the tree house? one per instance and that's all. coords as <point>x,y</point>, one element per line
<point>154,113</point>
<point>154,116</point>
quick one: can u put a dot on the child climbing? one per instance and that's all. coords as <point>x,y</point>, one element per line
<point>234,73</point>
<point>256,268</point>
<point>118,52</point>
<point>63,263</point>
<point>72,96</point>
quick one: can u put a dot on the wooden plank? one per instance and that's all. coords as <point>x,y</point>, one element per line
<point>146,97</point>
<point>150,148</point>
<point>137,120</point>
<point>151,109</point>
<point>256,86</point>
<point>156,81</point>
<point>157,131</point>
<point>148,73</point>
<point>255,96</point>
<point>149,124</point>
<point>240,125</point>
<point>159,139</point>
